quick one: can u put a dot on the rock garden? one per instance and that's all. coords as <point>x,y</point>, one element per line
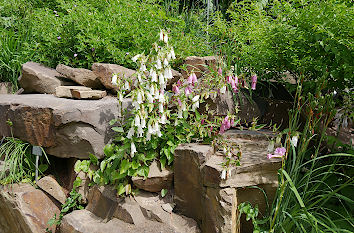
<point>169,136</point>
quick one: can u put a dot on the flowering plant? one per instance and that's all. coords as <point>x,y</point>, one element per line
<point>160,120</point>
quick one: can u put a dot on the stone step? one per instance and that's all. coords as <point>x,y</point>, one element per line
<point>201,194</point>
<point>64,127</point>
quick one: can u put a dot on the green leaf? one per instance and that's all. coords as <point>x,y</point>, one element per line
<point>124,166</point>
<point>93,159</point>
<point>118,129</point>
<point>112,122</point>
<point>163,192</point>
<point>77,166</point>
<point>163,162</point>
<point>146,171</point>
<point>117,176</point>
<point>77,182</point>
<point>43,167</point>
<point>103,165</point>
<point>121,189</point>
<point>170,143</point>
<point>108,150</point>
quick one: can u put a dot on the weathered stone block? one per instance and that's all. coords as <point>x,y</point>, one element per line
<point>105,72</point>
<point>52,187</point>
<point>65,127</point>
<point>24,209</point>
<point>88,94</point>
<point>156,180</point>
<point>199,65</point>
<point>37,78</point>
<point>65,91</point>
<point>81,76</point>
<point>201,194</point>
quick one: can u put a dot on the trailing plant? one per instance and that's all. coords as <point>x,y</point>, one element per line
<point>71,203</point>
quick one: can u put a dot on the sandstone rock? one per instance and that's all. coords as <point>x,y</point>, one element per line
<point>156,180</point>
<point>105,72</point>
<point>152,206</point>
<point>65,91</point>
<point>39,78</point>
<point>51,186</point>
<point>188,179</point>
<point>65,127</point>
<point>82,221</point>
<point>201,193</point>
<point>176,76</point>
<point>24,209</point>
<point>83,189</point>
<point>81,76</point>
<point>102,202</point>
<point>88,94</point>
<point>129,211</point>
<point>5,88</point>
<point>200,65</point>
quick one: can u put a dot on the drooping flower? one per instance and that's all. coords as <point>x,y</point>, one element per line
<point>114,80</point>
<point>153,75</point>
<point>165,62</point>
<point>143,122</point>
<point>136,57</point>
<point>294,140</point>
<point>161,35</point>
<point>131,133</point>
<point>126,86</point>
<point>180,113</point>
<point>165,38</point>
<point>132,149</point>
<point>161,79</point>
<point>188,90</point>
<point>195,102</point>
<point>223,174</point>
<point>173,54</point>
<point>160,107</point>
<point>179,83</point>
<point>278,153</point>
<point>140,131</point>
<point>254,82</point>
<point>192,78</point>
<point>149,97</point>
<point>75,55</point>
<point>137,120</point>
<point>175,89</point>
<point>158,64</point>
<point>223,90</point>
<point>225,125</point>
<point>163,119</point>
<point>220,71</point>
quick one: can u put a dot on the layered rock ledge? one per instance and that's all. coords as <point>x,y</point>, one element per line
<point>64,127</point>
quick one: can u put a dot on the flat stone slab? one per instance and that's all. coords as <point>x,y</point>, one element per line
<point>65,91</point>
<point>64,127</point>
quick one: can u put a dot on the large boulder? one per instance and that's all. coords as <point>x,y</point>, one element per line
<point>81,76</point>
<point>24,209</point>
<point>37,78</point>
<point>64,127</point>
<point>201,194</point>
<point>105,72</point>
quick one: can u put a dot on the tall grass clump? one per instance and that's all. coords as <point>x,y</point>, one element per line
<point>315,188</point>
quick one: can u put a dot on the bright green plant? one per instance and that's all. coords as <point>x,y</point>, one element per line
<point>19,163</point>
<point>71,203</point>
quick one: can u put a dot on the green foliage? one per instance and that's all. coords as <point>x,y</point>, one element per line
<point>97,31</point>
<point>71,203</point>
<point>19,163</point>
<point>304,37</point>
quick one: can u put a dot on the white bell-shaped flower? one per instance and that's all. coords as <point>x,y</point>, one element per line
<point>149,97</point>
<point>140,131</point>
<point>143,67</point>
<point>136,57</point>
<point>131,133</point>
<point>165,38</point>
<point>160,107</point>
<point>126,86</point>
<point>148,136</point>
<point>161,79</point>
<point>168,73</point>
<point>132,149</point>
<point>165,62</point>
<point>173,55</point>
<point>114,80</point>
<point>150,129</point>
<point>163,119</point>
<point>137,120</point>
<point>143,122</point>
<point>180,113</point>
<point>162,98</point>
<point>153,75</point>
<point>223,90</point>
<point>158,64</point>
<point>161,35</point>
<point>139,97</point>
